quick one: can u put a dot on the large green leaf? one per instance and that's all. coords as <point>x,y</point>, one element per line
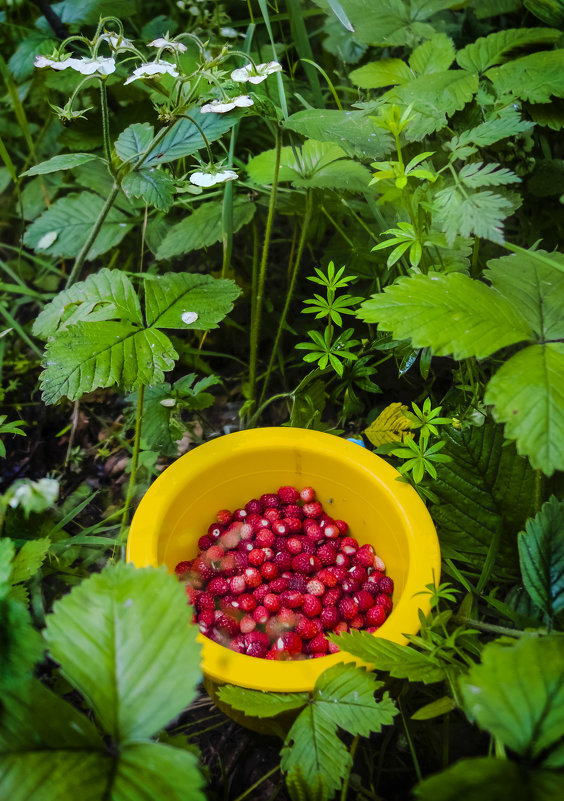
<point>487,51</point>
<point>154,186</point>
<point>203,228</point>
<point>450,313</point>
<point>63,229</point>
<point>125,641</point>
<point>463,213</point>
<point>170,298</point>
<point>527,394</point>
<point>64,775</point>
<point>538,295</point>
<point>541,552</point>
<point>549,11</point>
<point>351,130</point>
<point>485,488</point>
<point>153,771</point>
<point>398,660</point>
<point>89,11</point>
<point>185,136</point>
<point>134,142</point>
<point>517,693</point>
<point>385,72</point>
<point>259,704</point>
<point>536,78</point>
<point>63,162</point>
<point>434,55</point>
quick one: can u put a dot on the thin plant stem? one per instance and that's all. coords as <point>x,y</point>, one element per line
<point>256,309</point>
<point>134,458</point>
<point>478,624</point>
<point>105,120</point>
<point>81,258</point>
<point>289,294</point>
<point>257,783</point>
<point>410,743</point>
<point>13,323</point>
<point>352,751</point>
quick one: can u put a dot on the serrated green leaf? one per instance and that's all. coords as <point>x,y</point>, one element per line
<point>344,694</point>
<point>170,296</point>
<point>154,186</point>
<point>299,789</point>
<point>451,313</point>
<point>486,487</point>
<point>62,774</point>
<point>351,130</point>
<point>21,643</point>
<point>503,123</point>
<point>150,771</point>
<point>260,704</point>
<point>72,218</point>
<point>399,661</point>
<point>527,393</point>
<point>7,551</point>
<point>479,213</point>
<point>482,779</point>
<point>29,559</point>
<point>550,114</point>
<point>385,72</point>
<point>21,61</point>
<point>538,295</point>
<point>104,295</point>
<point>496,48</point>
<point>535,78</point>
<point>476,174</point>
<point>185,138</point>
<point>434,55</point>
<point>124,639</point>
<point>203,228</point>
<point>132,143</point>
<point>517,693</point>
<point>541,553</point>
<point>63,162</point>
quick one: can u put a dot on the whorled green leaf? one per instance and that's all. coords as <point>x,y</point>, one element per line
<point>451,313</point>
<point>485,488</point>
<point>260,704</point>
<point>398,660</point>
<point>537,295</point>
<point>541,553</point>
<point>434,55</point>
<point>124,639</point>
<point>527,394</point>
<point>496,48</point>
<point>535,78</point>
<point>150,771</point>
<point>63,229</point>
<point>154,186</point>
<point>353,131</point>
<point>134,142</point>
<point>63,162</point>
<point>517,693</point>
<point>385,72</point>
<point>185,137</point>
<point>172,300</point>
<point>203,227</point>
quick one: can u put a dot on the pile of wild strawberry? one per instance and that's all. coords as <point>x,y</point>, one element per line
<point>272,578</point>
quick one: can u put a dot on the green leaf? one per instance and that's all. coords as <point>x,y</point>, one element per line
<point>496,48</point>
<point>479,213</point>
<point>89,11</point>
<point>63,229</point>
<point>517,693</point>
<point>549,11</point>
<point>541,552</point>
<point>124,639</point>
<point>536,78</point>
<point>21,61</point>
<point>203,228</point>
<point>154,186</point>
<point>485,488</point>
<point>64,162</point>
<point>21,643</point>
<point>385,72</point>
<point>29,559</point>
<point>527,393</point>
<point>538,295</point>
<point>442,706</point>
<point>476,174</point>
<point>185,138</point>
<point>434,55</point>
<point>169,297</point>
<point>150,771</point>
<point>451,313</point>
<point>260,704</point>
<point>399,661</point>
<point>344,695</point>
<point>55,773</point>
<point>157,432</point>
<point>503,123</point>
<point>133,143</point>
<point>7,551</point>
<point>351,130</point>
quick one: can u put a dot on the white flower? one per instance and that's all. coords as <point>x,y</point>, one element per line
<point>255,75</point>
<point>86,66</point>
<point>151,69</point>
<point>229,33</point>
<point>211,178</point>
<point>221,106</point>
<point>116,41</point>
<point>174,47</point>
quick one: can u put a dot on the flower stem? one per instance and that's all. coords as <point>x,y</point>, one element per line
<point>81,258</point>
<point>134,458</point>
<point>256,307</point>
<point>105,120</point>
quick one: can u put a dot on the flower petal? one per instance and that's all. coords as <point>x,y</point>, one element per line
<point>217,107</point>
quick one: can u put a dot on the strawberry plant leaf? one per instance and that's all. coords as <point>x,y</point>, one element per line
<point>169,299</point>
<point>29,559</point>
<point>124,639</point>
<point>154,186</point>
<point>63,229</point>
<point>527,394</point>
<point>386,72</point>
<point>535,78</point>
<point>487,51</point>
<point>132,143</point>
<point>21,643</point>
<point>344,694</point>
<point>260,704</point>
<point>450,313</point>
<point>528,714</point>
<point>398,660</point>
<point>541,553</point>
<point>351,130</point>
<point>155,771</point>
<point>64,774</point>
<point>203,228</point>
<point>185,137</point>
<point>434,55</point>
<point>64,162</point>
<point>538,295</point>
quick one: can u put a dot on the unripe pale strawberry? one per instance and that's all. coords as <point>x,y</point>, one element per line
<point>247,624</point>
<point>307,494</point>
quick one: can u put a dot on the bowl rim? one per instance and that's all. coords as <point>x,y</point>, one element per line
<point>223,665</point>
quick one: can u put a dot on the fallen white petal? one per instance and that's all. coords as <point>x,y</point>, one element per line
<point>189,317</point>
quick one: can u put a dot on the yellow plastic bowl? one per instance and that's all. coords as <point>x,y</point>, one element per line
<point>352,483</point>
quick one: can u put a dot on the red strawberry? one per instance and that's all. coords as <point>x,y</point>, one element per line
<point>364,556</point>
<point>225,624</point>
<point>218,586</point>
<point>252,577</point>
<point>357,622</point>
<point>329,617</point>
<point>293,545</point>
<point>224,517</point>
<point>364,600</point>
<point>182,568</point>
<point>313,509</point>
<point>332,596</point>
<point>303,563</point>
<point>281,528</point>
<point>292,599</point>
<point>298,583</point>
<point>326,553</point>
<point>308,545</point>
<point>269,571</point>
<point>288,643</point>
<point>307,494</point>
<point>313,531</point>
<point>278,584</point>
<point>342,526</point>
<point>261,615</point>
<point>305,628</point>
<point>256,644</point>
<point>375,616</point>
<point>294,524</point>
<point>264,538</point>
<point>271,602</point>
<point>238,644</point>
<point>348,608</point>
<point>247,602</point>
<point>350,585</point>
<point>237,585</point>
<point>240,515</point>
<point>270,501</point>
<point>311,605</point>
<point>288,495</point>
<point>358,574</point>
<point>331,531</point>
<point>205,542</point>
<point>386,585</point>
<point>256,557</point>
<point>260,592</point>
<point>271,514</point>
<point>283,560</point>
<point>292,510</point>
<point>327,577</point>
<point>253,507</point>
<point>349,546</point>
<point>318,645</point>
<point>384,601</point>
